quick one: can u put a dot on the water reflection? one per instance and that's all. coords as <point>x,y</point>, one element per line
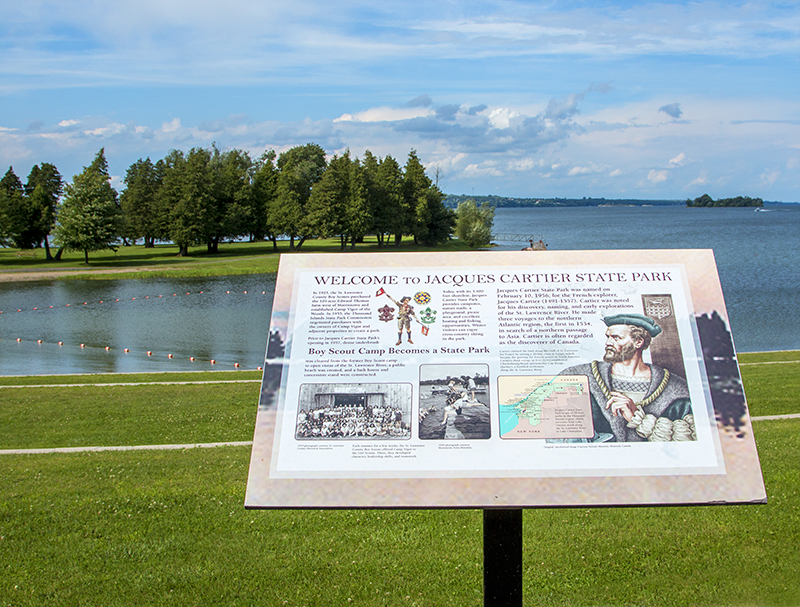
<point>224,318</point>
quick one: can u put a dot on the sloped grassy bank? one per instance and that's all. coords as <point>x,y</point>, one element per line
<point>169,527</point>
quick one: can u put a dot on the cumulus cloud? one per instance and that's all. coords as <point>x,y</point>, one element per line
<point>657,177</point>
<point>171,126</point>
<point>673,109</point>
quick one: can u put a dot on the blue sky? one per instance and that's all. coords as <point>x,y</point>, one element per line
<point>515,98</point>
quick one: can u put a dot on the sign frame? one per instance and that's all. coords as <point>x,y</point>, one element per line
<point>328,308</point>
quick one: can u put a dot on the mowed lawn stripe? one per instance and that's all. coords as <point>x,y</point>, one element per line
<point>150,414</point>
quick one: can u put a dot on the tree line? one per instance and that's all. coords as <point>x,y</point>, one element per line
<point>206,196</point>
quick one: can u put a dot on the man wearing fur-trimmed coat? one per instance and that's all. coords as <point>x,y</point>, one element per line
<point>632,400</point>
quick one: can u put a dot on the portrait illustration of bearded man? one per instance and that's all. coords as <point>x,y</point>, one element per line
<point>632,400</point>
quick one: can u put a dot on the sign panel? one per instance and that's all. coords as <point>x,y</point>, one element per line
<point>495,379</point>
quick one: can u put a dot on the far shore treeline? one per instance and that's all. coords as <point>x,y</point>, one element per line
<point>206,196</point>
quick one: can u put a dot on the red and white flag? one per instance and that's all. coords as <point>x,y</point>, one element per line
<point>380,292</point>
<point>424,330</point>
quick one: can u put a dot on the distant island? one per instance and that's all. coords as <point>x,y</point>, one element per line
<point>452,201</point>
<point>740,201</point>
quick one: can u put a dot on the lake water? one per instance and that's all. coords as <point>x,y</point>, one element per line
<point>227,318</point>
<point>757,254</point>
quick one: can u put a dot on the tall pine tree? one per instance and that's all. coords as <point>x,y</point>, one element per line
<point>89,218</point>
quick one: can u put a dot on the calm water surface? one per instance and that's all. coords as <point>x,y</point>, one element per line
<point>757,254</point>
<point>227,318</point>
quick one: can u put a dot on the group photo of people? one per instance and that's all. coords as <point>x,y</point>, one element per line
<point>354,411</point>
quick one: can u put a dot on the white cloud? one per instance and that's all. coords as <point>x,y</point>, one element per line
<point>678,160</point>
<point>105,131</point>
<point>500,118</point>
<point>615,173</point>
<point>524,164</point>
<point>66,123</point>
<point>172,126</point>
<point>484,169</point>
<point>385,114</point>
<point>657,177</point>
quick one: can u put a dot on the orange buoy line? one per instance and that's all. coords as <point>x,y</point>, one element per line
<point>170,356</point>
<point>86,303</point>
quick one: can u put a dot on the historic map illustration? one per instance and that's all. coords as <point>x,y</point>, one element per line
<point>545,406</point>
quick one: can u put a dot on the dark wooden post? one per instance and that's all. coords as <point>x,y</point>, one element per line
<point>502,558</point>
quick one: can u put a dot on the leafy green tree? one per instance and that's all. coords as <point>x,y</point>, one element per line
<point>384,191</point>
<point>358,215</point>
<point>474,223</point>
<point>300,168</point>
<point>233,178</point>
<point>13,211</point>
<point>327,205</point>
<point>5,222</point>
<point>10,182</point>
<point>703,201</point>
<point>44,188</point>
<point>139,202</point>
<point>188,188</point>
<point>89,218</point>
<point>424,212</point>
<point>262,197</point>
<point>29,216</point>
<point>168,196</point>
<point>338,204</point>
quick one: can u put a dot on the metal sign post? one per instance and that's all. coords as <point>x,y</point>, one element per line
<point>502,558</point>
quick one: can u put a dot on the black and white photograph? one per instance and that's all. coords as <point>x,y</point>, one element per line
<point>354,412</point>
<point>454,402</point>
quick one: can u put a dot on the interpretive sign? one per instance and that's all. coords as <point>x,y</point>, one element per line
<point>501,379</point>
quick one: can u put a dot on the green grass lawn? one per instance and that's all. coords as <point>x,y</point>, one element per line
<point>162,261</point>
<point>169,527</point>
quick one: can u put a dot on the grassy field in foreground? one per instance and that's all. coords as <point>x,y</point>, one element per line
<point>162,261</point>
<point>169,528</point>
